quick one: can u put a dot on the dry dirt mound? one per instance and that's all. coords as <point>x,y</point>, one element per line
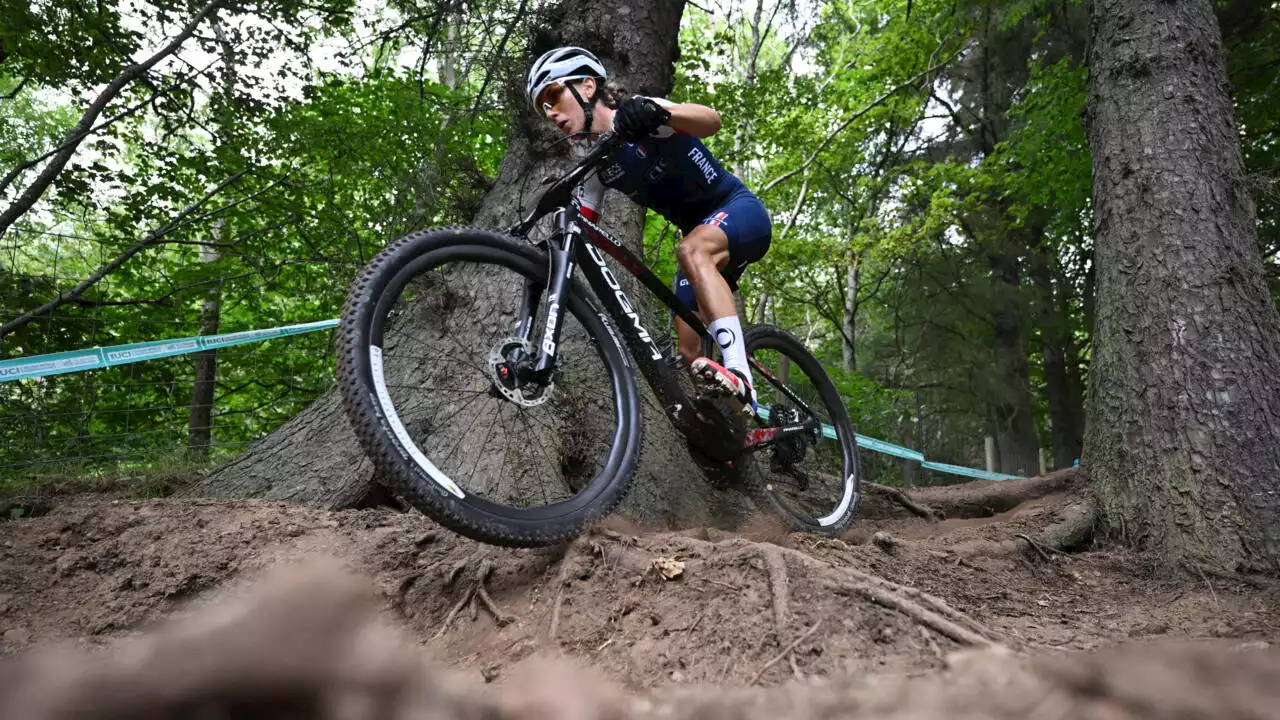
<point>310,644</point>
<point>651,611</point>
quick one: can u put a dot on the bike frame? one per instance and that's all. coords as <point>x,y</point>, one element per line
<point>578,243</point>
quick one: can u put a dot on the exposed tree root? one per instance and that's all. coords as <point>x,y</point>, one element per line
<point>1075,528</point>
<point>928,618</point>
<point>905,501</point>
<point>786,652</point>
<point>562,579</point>
<point>778,583</point>
<point>984,498</point>
<point>922,607</point>
<point>475,596</point>
<point>1073,531</point>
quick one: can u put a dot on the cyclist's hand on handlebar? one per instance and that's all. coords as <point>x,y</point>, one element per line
<point>637,117</point>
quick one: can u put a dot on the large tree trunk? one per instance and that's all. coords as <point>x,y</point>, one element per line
<point>1183,437</point>
<point>314,458</point>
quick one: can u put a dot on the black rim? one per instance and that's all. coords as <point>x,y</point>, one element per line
<point>791,403</point>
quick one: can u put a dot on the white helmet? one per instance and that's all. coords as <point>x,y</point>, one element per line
<point>561,65</point>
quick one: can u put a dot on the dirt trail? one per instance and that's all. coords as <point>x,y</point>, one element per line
<point>688,620</point>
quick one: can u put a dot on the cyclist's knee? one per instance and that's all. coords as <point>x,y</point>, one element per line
<point>688,253</point>
<point>697,249</point>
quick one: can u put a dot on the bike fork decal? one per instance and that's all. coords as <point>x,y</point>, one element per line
<point>553,318</point>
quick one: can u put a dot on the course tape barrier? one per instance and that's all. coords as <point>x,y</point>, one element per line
<point>102,357</point>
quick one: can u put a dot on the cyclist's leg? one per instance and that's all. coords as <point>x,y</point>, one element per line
<point>713,256</point>
<point>688,342</point>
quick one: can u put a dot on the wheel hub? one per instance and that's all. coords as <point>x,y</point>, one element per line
<point>508,370</point>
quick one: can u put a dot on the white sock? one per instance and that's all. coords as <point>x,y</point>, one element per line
<point>727,332</point>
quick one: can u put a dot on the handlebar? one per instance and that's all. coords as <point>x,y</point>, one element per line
<point>560,193</point>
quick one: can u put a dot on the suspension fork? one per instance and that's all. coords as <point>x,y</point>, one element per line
<point>551,297</point>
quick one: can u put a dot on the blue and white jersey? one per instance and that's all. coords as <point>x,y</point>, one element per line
<point>670,172</point>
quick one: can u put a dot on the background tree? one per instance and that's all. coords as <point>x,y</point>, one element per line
<point>1183,441</point>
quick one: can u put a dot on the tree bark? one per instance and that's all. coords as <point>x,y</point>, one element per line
<point>314,458</point>
<point>849,336</point>
<point>1183,436</point>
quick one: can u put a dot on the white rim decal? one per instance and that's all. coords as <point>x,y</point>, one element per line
<point>375,359</point>
<point>844,504</point>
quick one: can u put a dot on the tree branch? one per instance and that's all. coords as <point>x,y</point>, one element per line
<point>76,139</point>
<point>848,121</point>
<point>502,46</point>
<point>14,92</point>
<point>151,239</point>
<point>82,128</point>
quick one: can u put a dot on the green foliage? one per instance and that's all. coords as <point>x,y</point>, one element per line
<point>317,170</point>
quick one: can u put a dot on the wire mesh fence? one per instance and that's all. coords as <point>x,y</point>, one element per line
<point>124,417</point>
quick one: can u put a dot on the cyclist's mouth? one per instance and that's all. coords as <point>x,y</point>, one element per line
<point>564,124</point>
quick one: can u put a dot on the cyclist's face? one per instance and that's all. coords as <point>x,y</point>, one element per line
<point>560,107</point>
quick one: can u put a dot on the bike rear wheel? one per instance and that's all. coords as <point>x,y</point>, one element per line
<point>810,480</point>
<point>425,363</point>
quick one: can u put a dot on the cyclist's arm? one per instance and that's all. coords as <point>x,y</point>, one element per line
<point>690,118</point>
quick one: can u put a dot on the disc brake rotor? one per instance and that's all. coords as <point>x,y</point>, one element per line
<point>505,374</point>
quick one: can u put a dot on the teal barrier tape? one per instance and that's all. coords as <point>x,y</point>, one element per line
<point>971,472</point>
<point>869,443</point>
<point>101,357</point>
<point>81,360</point>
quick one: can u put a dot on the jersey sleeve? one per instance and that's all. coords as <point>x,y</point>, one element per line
<point>591,196</point>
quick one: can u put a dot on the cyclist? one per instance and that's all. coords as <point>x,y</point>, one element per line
<point>663,165</point>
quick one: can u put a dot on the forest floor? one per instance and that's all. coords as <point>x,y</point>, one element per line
<point>113,608</point>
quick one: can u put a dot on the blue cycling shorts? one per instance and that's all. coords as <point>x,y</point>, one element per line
<point>746,223</point>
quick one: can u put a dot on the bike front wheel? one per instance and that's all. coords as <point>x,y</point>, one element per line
<point>808,479</point>
<point>431,379</point>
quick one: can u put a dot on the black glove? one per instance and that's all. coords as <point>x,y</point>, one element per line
<point>637,117</point>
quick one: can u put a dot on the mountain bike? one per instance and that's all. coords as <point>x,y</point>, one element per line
<point>499,341</point>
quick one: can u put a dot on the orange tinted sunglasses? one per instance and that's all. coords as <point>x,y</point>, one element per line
<point>550,96</point>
